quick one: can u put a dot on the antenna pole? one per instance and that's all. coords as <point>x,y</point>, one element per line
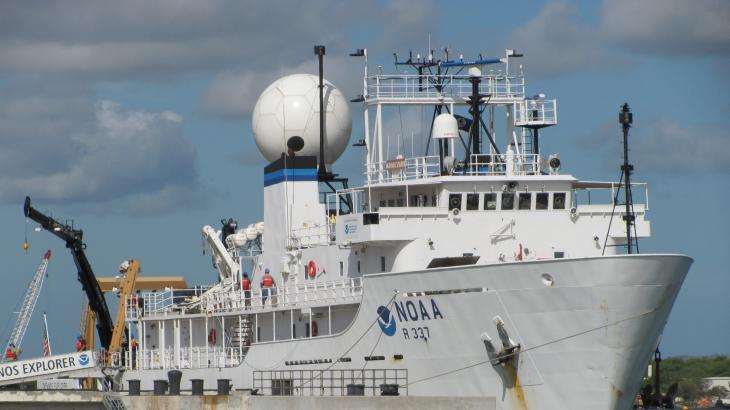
<point>626,118</point>
<point>319,52</point>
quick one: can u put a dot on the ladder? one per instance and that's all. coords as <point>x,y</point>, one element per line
<point>29,302</point>
<point>241,337</point>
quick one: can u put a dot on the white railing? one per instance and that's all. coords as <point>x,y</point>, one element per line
<point>319,293</point>
<point>309,236</point>
<point>413,168</point>
<point>504,164</point>
<point>536,112</point>
<point>597,196</point>
<point>407,86</point>
<point>189,358</point>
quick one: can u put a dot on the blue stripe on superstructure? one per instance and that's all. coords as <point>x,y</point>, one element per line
<point>307,174</point>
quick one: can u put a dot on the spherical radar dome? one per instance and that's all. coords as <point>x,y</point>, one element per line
<point>290,106</point>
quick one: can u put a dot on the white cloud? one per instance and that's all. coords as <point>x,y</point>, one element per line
<point>669,27</point>
<point>555,43</point>
<point>663,145</point>
<point>86,153</point>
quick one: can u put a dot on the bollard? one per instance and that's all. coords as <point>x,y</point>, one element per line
<point>174,377</point>
<point>197,386</point>
<point>355,389</point>
<point>224,386</point>
<point>134,387</point>
<point>389,390</point>
<point>160,387</point>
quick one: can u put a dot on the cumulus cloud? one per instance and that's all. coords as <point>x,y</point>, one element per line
<point>163,38</point>
<point>664,145</point>
<point>555,43</point>
<point>73,150</point>
<point>669,27</point>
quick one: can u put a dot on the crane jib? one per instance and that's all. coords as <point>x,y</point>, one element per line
<point>74,241</point>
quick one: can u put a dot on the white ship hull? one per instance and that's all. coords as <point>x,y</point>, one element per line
<point>585,338</point>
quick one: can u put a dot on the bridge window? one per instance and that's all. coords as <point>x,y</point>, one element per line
<point>508,200</point>
<point>525,200</point>
<point>454,202</point>
<point>382,263</point>
<point>472,202</point>
<point>559,200</point>
<point>490,202</point>
<point>541,200</point>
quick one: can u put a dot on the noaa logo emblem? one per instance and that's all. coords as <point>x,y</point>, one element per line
<point>84,359</point>
<point>386,321</point>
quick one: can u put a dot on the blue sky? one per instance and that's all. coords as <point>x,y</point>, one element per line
<point>133,119</point>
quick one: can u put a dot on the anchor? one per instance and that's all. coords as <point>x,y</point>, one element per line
<point>509,350</point>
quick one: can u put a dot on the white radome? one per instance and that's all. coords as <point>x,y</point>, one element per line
<point>290,106</point>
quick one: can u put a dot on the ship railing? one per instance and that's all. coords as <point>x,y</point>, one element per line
<point>342,202</point>
<point>606,196</point>
<point>403,169</point>
<point>314,293</point>
<point>310,236</point>
<point>151,304</point>
<point>504,164</point>
<point>437,87</point>
<point>331,382</point>
<point>188,358</point>
<point>536,112</point>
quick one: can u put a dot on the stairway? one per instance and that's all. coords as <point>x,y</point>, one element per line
<point>242,333</point>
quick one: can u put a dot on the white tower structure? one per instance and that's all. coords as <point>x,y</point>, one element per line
<point>29,302</point>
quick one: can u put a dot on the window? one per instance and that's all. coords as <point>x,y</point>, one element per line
<point>391,203</point>
<point>525,200</point>
<point>490,202</point>
<point>559,200</point>
<point>358,266</point>
<point>342,268</point>
<point>294,331</point>
<point>508,200</point>
<point>541,200</point>
<point>382,263</point>
<point>472,202</point>
<point>454,201</point>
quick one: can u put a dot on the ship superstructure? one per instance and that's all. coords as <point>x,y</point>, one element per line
<point>465,266</point>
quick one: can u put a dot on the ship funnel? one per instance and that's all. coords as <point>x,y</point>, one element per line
<point>445,126</point>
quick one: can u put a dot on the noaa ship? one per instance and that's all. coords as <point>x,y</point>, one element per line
<point>465,265</point>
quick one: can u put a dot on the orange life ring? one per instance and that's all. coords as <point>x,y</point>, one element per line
<point>315,329</point>
<point>212,336</point>
<point>312,269</point>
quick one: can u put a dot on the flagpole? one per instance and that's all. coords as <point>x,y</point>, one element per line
<point>48,336</point>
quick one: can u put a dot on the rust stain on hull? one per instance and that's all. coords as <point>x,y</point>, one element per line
<point>518,394</point>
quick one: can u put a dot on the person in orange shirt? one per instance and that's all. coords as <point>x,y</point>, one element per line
<point>246,287</point>
<point>267,287</point>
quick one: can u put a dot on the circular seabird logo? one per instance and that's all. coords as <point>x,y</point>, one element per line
<point>83,359</point>
<point>386,321</point>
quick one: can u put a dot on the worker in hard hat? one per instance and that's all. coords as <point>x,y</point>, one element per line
<point>12,353</point>
<point>267,287</point>
<point>246,287</point>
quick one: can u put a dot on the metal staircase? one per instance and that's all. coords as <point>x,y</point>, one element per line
<point>241,337</point>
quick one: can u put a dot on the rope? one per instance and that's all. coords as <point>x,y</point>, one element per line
<point>532,348</point>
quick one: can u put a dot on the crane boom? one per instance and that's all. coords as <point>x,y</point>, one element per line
<point>74,241</point>
<point>29,302</point>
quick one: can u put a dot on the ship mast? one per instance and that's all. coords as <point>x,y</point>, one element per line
<point>626,118</point>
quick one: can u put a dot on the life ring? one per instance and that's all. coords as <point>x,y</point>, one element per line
<point>312,269</point>
<point>212,336</point>
<point>315,329</point>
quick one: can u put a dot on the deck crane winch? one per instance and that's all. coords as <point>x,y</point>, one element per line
<point>29,302</point>
<point>74,241</point>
